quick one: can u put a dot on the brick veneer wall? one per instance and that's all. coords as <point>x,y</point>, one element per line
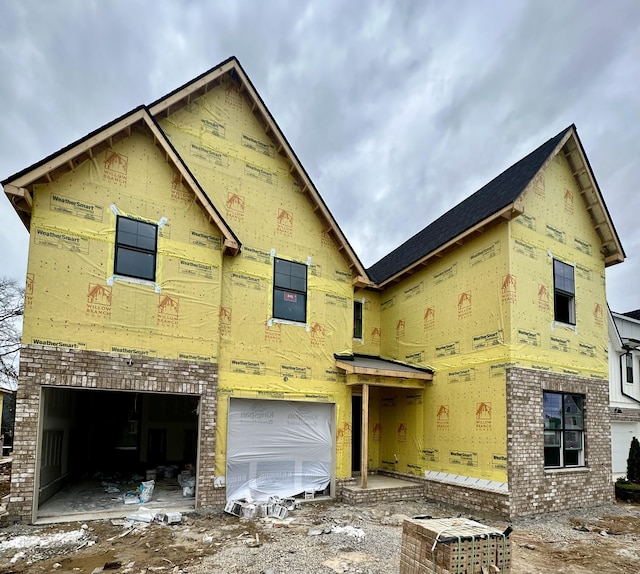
<point>463,496</point>
<point>72,368</point>
<point>534,490</point>
<point>476,499</point>
<point>480,500</point>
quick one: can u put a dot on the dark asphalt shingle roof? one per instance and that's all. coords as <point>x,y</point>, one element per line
<point>490,199</point>
<point>633,314</point>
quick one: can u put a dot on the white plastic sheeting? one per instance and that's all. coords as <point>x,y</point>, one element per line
<point>279,448</point>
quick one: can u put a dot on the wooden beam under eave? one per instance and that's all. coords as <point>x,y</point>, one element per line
<point>20,192</point>
<point>231,249</point>
<point>360,282</point>
<point>613,259</point>
<point>568,152</point>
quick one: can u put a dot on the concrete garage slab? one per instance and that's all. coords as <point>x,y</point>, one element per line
<point>87,500</point>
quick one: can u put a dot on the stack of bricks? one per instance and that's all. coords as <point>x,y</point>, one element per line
<point>453,546</point>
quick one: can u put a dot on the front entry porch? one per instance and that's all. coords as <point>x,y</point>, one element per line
<point>381,487</point>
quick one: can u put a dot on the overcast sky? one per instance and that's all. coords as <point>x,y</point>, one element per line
<point>397,110</point>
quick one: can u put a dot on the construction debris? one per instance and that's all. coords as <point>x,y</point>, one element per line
<point>275,507</point>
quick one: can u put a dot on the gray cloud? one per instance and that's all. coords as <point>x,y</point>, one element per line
<point>397,110</point>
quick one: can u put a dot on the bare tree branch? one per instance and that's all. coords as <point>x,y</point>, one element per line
<point>11,309</point>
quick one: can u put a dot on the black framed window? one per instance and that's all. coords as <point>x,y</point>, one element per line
<point>289,291</point>
<point>629,367</point>
<point>564,293</point>
<point>357,319</point>
<point>563,430</point>
<point>136,248</point>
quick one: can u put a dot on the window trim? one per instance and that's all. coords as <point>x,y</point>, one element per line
<point>280,288</point>
<point>569,295</point>
<point>119,244</point>
<point>358,324</point>
<point>562,433</point>
<point>628,367</point>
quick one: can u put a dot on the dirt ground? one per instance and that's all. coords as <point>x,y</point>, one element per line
<point>314,538</point>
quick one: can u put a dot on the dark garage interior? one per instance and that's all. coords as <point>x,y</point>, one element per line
<point>115,437</point>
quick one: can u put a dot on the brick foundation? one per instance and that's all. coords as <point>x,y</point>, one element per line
<point>481,500</point>
<point>71,368</point>
<point>534,489</point>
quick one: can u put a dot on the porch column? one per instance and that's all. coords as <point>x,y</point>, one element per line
<point>364,455</point>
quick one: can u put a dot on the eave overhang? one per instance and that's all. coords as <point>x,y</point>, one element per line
<point>19,188</point>
<point>571,148</point>
<point>379,367</point>
<point>590,192</point>
<point>505,214</point>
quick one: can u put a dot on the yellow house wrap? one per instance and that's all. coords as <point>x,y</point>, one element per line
<point>484,307</point>
<point>462,336</point>
<point>239,165</point>
<point>73,237</point>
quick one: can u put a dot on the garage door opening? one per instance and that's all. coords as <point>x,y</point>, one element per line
<point>279,448</point>
<point>95,446</point>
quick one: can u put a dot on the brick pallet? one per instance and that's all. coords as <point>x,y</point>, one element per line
<point>453,546</point>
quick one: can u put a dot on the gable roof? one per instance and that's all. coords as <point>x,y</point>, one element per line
<point>19,187</point>
<point>499,200</point>
<point>633,314</point>
<point>202,84</point>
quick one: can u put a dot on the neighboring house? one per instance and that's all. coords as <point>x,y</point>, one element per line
<point>7,388</point>
<point>624,386</point>
<point>190,299</point>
